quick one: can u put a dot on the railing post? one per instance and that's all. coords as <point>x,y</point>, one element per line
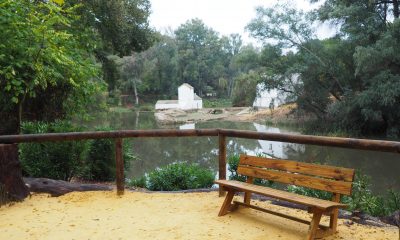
<point>222,161</point>
<point>119,167</point>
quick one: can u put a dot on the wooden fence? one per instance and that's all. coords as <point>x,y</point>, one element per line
<point>222,134</point>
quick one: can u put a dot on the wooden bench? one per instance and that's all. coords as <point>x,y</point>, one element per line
<point>322,177</point>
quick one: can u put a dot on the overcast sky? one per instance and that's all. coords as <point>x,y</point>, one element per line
<point>224,16</point>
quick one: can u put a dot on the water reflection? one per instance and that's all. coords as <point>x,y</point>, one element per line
<point>154,152</point>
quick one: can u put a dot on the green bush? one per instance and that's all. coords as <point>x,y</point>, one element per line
<point>100,161</point>
<point>89,160</point>
<point>138,182</point>
<point>176,176</point>
<point>55,160</point>
<point>362,199</point>
<point>310,192</point>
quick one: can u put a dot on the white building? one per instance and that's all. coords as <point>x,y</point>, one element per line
<point>274,97</point>
<point>187,99</point>
<point>276,149</point>
<point>268,98</point>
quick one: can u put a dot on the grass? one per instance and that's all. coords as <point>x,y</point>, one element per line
<point>217,103</point>
<point>146,107</point>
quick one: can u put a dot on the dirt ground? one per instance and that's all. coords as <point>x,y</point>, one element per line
<point>282,114</point>
<point>135,215</point>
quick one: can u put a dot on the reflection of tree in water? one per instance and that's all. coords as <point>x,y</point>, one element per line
<point>156,152</point>
<point>383,168</point>
<point>124,120</point>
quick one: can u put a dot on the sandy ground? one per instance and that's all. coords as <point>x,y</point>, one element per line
<point>103,215</point>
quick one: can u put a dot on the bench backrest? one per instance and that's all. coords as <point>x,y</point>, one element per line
<point>321,177</point>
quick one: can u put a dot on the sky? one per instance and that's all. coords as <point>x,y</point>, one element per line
<point>224,16</point>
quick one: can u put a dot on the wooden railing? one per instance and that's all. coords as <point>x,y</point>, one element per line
<point>364,144</point>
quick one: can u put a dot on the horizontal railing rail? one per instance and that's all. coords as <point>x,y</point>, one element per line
<point>74,136</point>
<point>353,143</point>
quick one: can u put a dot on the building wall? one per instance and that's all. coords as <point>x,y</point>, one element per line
<point>267,98</point>
<point>198,104</point>
<point>185,96</point>
<point>186,100</point>
<point>166,106</point>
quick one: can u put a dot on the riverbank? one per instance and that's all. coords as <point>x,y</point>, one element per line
<point>104,215</point>
<point>282,115</point>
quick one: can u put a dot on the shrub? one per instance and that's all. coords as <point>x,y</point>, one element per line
<point>362,199</point>
<point>100,162</point>
<point>138,182</point>
<point>176,176</point>
<point>56,160</point>
<point>310,192</point>
<point>89,160</point>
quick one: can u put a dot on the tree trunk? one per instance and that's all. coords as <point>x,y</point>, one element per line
<point>58,187</point>
<point>396,8</point>
<point>136,93</point>
<point>11,173</point>
<point>9,125</point>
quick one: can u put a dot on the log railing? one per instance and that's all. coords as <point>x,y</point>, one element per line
<point>364,144</point>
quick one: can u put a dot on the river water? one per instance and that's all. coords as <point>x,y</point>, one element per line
<point>383,168</point>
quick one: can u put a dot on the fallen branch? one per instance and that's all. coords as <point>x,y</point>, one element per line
<point>57,187</point>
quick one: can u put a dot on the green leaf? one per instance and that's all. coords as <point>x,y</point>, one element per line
<point>14,99</point>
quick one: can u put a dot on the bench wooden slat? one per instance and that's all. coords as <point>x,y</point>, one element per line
<point>279,194</point>
<point>337,173</point>
<point>297,179</point>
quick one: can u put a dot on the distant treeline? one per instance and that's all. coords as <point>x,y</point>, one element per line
<point>194,54</point>
<point>57,57</point>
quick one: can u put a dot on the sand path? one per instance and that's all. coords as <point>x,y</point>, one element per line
<point>103,215</point>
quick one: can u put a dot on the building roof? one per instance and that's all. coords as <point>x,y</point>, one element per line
<point>186,85</point>
<point>167,102</point>
<point>196,97</point>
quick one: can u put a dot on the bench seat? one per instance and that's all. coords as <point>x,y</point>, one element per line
<point>281,195</point>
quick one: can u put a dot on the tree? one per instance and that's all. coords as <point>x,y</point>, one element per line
<point>200,55</point>
<point>42,59</point>
<point>247,59</point>
<point>350,80</point>
<point>120,27</point>
<point>131,73</point>
<point>245,91</point>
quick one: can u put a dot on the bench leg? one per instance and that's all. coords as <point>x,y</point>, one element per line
<point>335,214</point>
<point>247,197</point>
<point>333,220</point>
<point>314,224</point>
<point>227,203</point>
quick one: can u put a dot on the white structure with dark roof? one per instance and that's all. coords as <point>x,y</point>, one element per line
<point>187,99</point>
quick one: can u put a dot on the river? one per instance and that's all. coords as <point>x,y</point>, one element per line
<point>383,168</point>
